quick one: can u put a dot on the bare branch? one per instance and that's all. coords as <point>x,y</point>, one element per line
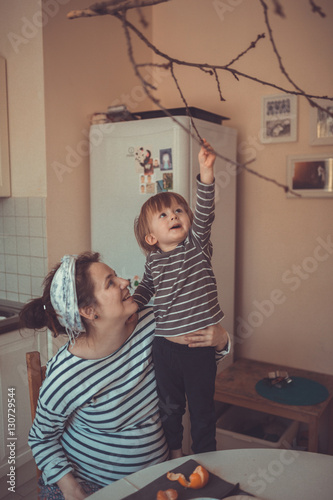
<point>281,65</point>
<point>111,7</point>
<point>197,137</point>
<point>118,9</point>
<point>206,66</point>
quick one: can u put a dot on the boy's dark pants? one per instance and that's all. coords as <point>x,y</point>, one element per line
<point>186,370</point>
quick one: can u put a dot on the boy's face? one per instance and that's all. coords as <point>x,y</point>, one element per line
<point>169,227</point>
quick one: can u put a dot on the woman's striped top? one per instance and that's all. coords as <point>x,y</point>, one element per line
<point>182,279</point>
<point>99,418</point>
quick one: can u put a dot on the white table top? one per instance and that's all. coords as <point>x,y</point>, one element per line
<point>270,474</point>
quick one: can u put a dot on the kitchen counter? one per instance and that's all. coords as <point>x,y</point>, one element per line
<point>9,315</point>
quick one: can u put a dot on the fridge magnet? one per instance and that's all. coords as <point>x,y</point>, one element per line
<point>166,159</point>
<point>310,176</point>
<point>149,178</point>
<point>278,118</point>
<point>168,181</point>
<point>321,123</point>
<point>143,160</point>
<point>160,186</point>
<point>156,163</point>
<point>150,188</point>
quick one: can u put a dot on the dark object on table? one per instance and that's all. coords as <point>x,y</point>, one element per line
<point>278,379</point>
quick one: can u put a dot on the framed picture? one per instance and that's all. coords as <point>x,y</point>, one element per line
<point>278,118</point>
<point>321,123</point>
<point>310,176</point>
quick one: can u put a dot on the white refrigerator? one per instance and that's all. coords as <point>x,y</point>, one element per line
<point>132,160</point>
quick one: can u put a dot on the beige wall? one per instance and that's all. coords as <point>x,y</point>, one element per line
<point>275,235</point>
<point>86,69</point>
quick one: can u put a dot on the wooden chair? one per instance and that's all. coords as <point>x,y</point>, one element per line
<point>36,375</point>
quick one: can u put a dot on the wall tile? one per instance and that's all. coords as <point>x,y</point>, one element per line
<point>12,296</point>
<point>21,207</point>
<point>2,263</point>
<point>37,266</point>
<point>24,285</point>
<point>9,228</point>
<point>22,297</point>
<point>36,226</point>
<point>23,248</point>
<point>23,265</point>
<point>36,247</point>
<point>35,207</point>
<point>10,245</point>
<point>22,226</point>
<point>36,287</point>
<point>11,283</point>
<point>11,264</point>
<point>2,281</point>
<point>23,245</point>
<point>9,207</point>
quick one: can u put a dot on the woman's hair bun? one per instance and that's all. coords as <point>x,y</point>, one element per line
<point>33,314</point>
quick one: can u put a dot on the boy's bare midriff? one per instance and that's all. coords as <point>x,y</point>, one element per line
<point>178,339</point>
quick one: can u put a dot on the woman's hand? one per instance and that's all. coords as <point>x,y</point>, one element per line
<point>212,336</point>
<point>70,488</point>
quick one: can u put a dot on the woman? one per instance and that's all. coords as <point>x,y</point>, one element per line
<point>97,418</point>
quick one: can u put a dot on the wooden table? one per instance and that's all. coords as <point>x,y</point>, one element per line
<point>236,385</point>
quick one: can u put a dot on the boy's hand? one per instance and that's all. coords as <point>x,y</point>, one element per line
<point>206,159</point>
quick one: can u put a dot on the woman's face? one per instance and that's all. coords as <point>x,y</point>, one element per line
<point>113,299</point>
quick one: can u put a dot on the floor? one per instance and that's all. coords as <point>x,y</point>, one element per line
<point>27,491</point>
<point>25,485</point>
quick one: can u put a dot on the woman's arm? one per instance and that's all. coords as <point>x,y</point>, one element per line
<point>70,488</point>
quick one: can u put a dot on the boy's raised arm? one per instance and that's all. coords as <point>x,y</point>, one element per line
<point>206,159</point>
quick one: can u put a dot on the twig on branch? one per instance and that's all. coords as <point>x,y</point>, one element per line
<point>316,9</point>
<point>278,8</point>
<point>251,46</point>
<point>218,85</point>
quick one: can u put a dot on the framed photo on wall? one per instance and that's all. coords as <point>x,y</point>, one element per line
<point>278,118</point>
<point>310,176</point>
<point>321,123</point>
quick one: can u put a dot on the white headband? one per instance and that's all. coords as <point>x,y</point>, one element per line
<point>64,300</point>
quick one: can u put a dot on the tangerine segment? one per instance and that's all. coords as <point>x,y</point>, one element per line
<point>167,495</point>
<point>198,479</point>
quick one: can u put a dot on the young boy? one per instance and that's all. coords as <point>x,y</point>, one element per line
<point>178,272</point>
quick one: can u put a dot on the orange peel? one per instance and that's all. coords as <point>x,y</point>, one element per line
<point>198,479</point>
